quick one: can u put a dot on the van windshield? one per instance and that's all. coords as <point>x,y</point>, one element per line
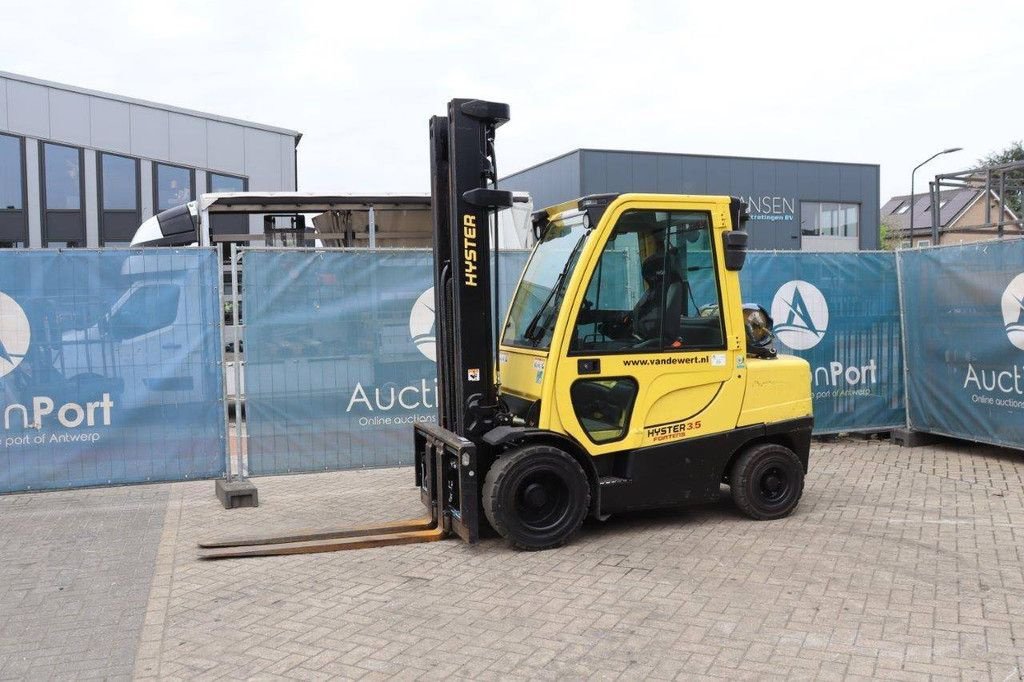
<point>531,318</point>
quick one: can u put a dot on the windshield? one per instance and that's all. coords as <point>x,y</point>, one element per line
<point>531,318</point>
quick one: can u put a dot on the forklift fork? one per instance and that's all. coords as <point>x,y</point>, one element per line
<point>446,474</point>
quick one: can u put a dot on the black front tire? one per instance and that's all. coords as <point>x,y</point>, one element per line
<point>767,481</point>
<point>536,497</point>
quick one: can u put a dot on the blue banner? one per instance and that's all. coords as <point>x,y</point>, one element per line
<point>109,367</point>
<point>964,315</point>
<point>839,311</point>
<point>340,349</point>
<point>340,355</point>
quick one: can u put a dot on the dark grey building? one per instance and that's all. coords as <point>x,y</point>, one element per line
<point>810,205</point>
<point>84,168</point>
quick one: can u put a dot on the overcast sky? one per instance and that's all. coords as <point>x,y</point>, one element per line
<point>887,83</point>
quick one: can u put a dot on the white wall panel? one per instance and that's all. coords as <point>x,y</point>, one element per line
<point>187,140</point>
<point>146,188</point>
<point>225,147</point>
<point>110,123</point>
<point>288,181</point>
<point>92,209</point>
<point>35,226</point>
<point>28,109</point>
<point>150,136</point>
<point>69,118</point>
<point>262,160</point>
<point>3,104</point>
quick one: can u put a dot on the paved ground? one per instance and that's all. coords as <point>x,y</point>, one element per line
<point>75,574</point>
<point>898,563</point>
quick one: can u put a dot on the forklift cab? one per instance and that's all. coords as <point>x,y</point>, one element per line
<point>619,318</point>
<point>627,334</point>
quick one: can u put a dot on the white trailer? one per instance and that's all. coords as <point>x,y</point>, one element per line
<point>338,220</point>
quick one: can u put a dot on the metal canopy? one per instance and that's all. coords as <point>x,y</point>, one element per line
<point>1000,182</point>
<point>305,202</point>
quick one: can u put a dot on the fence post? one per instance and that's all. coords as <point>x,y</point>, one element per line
<point>223,365</point>
<point>236,319</point>
<point>236,490</point>
<point>903,336</point>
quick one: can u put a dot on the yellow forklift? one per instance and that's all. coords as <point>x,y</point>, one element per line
<point>629,374</point>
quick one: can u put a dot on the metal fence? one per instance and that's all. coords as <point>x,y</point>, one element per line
<point>109,367</point>
<point>339,347</point>
<point>840,312</point>
<point>964,318</point>
<point>339,355</point>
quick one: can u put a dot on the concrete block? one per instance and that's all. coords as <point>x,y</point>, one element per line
<point>912,439</point>
<point>238,492</point>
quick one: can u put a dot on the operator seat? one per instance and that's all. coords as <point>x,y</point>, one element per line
<point>664,284</point>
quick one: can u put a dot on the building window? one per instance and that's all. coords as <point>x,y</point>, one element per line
<point>906,244</point>
<point>63,220</point>
<point>63,173</point>
<point>173,186</point>
<point>227,224</point>
<point>903,208</point>
<point>924,242</point>
<point>118,175</point>
<point>215,182</point>
<point>13,224</point>
<point>10,173</point>
<point>829,219</point>
<point>119,199</point>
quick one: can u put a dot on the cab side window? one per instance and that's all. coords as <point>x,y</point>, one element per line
<point>147,309</point>
<point>654,288</point>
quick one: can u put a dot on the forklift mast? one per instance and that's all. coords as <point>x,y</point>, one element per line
<point>465,198</point>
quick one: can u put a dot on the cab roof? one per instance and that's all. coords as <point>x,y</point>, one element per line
<point>595,204</point>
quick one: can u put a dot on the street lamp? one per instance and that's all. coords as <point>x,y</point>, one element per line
<point>944,151</point>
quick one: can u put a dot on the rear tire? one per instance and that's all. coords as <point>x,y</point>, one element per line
<point>767,481</point>
<point>536,497</point>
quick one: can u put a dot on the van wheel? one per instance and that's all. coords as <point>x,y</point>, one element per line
<point>767,481</point>
<point>536,497</point>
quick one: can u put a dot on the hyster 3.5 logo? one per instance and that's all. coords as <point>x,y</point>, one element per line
<point>1013,311</point>
<point>15,334</point>
<point>800,313</point>
<point>421,324</point>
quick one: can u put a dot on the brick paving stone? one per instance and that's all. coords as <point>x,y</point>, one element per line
<point>75,580</point>
<point>898,564</point>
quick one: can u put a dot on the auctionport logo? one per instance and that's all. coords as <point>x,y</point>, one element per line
<point>15,334</point>
<point>1013,311</point>
<point>421,325</point>
<point>800,313</point>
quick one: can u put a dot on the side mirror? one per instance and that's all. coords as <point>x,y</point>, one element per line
<point>539,223</point>
<point>735,249</point>
<point>760,336</point>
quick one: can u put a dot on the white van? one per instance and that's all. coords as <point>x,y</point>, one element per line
<point>147,343</point>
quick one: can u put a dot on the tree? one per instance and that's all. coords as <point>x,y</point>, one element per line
<point>1014,179</point>
<point>888,235</point>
